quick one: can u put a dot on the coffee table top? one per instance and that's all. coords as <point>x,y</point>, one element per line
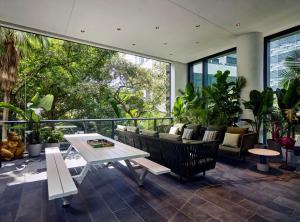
<point>263,152</point>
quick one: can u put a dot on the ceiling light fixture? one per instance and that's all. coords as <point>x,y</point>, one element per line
<point>82,31</point>
<point>238,24</point>
<point>197,42</point>
<point>171,54</point>
<point>197,26</point>
<point>156,27</point>
<point>118,29</point>
<point>133,44</point>
<point>165,43</point>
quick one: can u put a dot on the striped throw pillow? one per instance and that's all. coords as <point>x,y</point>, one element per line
<point>210,135</point>
<point>187,134</point>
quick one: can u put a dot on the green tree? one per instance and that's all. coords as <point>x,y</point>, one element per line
<point>13,46</point>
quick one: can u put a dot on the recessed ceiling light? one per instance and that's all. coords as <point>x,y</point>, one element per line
<point>165,43</point>
<point>82,31</point>
<point>171,54</point>
<point>118,29</point>
<point>133,44</point>
<point>197,26</point>
<point>197,42</point>
<point>238,24</point>
<point>156,27</point>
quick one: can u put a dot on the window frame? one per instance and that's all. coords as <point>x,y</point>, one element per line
<point>204,62</point>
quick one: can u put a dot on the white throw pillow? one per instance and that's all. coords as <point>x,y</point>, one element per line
<point>179,126</point>
<point>187,134</point>
<point>174,130</point>
<point>210,135</point>
<point>121,128</point>
<point>231,140</point>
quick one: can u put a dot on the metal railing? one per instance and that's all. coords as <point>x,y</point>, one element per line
<point>105,127</point>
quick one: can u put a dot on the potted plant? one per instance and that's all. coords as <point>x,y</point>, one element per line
<point>32,115</point>
<point>52,138</point>
<point>261,104</point>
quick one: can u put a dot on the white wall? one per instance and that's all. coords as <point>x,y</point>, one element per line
<point>179,73</point>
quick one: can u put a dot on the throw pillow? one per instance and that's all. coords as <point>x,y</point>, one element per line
<point>149,133</point>
<point>195,128</point>
<point>237,130</point>
<point>132,129</point>
<point>231,140</point>
<point>210,135</point>
<point>172,137</point>
<point>187,134</point>
<point>121,128</point>
<point>174,130</point>
<point>180,127</point>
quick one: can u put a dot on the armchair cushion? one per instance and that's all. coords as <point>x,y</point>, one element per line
<point>121,128</point>
<point>180,127</point>
<point>174,130</point>
<point>229,149</point>
<point>195,128</point>
<point>231,140</point>
<point>210,135</point>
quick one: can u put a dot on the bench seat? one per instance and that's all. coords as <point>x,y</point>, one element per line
<point>151,166</point>
<point>60,181</point>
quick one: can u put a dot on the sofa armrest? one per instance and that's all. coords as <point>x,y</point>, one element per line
<point>248,141</point>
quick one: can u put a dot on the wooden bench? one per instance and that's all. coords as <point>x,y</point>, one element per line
<point>147,166</point>
<point>60,182</point>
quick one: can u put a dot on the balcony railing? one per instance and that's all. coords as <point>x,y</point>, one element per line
<point>104,127</point>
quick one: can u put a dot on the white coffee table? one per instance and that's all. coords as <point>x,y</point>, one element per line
<point>263,154</point>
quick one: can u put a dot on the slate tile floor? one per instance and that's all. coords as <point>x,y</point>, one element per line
<point>231,192</point>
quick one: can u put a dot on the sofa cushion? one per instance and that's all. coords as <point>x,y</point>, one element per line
<point>221,131</point>
<point>174,130</point>
<point>195,128</point>
<point>121,128</point>
<point>149,133</point>
<point>193,141</point>
<point>180,127</point>
<point>132,129</point>
<point>231,140</point>
<point>237,130</point>
<point>210,135</point>
<point>169,136</point>
<point>187,134</point>
<point>229,149</point>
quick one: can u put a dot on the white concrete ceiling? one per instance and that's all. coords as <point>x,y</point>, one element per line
<point>176,19</point>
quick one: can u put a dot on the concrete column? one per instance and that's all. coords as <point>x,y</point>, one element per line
<point>250,48</point>
<point>179,75</point>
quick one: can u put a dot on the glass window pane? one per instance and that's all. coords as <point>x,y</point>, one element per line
<point>197,77</point>
<point>222,63</point>
<point>280,49</point>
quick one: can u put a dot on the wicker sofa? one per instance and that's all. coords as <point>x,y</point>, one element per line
<point>184,159</point>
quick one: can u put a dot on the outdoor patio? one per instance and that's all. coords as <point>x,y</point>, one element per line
<point>233,191</point>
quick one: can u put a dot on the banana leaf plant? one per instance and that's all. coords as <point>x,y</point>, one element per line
<point>261,104</point>
<point>32,114</point>
<point>289,102</point>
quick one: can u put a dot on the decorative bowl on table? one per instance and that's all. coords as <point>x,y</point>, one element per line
<point>100,143</point>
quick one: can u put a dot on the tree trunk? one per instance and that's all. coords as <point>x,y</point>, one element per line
<point>6,99</point>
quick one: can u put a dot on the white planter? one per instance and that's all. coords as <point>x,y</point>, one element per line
<point>34,149</point>
<point>51,145</point>
<point>290,158</point>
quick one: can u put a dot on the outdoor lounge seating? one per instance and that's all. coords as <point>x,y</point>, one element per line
<point>184,159</point>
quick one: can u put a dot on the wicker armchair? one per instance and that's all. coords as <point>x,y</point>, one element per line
<point>247,142</point>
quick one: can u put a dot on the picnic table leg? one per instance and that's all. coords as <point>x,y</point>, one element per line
<point>68,151</point>
<point>79,178</point>
<point>139,178</point>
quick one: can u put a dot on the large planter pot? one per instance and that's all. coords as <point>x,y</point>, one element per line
<point>34,149</point>
<point>290,154</point>
<point>51,145</point>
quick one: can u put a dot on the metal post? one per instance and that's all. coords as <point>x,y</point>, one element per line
<point>155,125</point>
<point>135,123</point>
<point>112,129</point>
